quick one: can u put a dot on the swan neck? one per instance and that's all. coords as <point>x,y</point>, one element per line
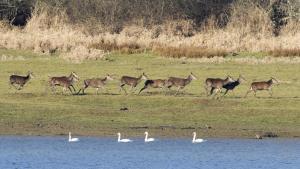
<point>194,137</point>
<point>70,136</point>
<point>146,137</point>
<point>119,137</point>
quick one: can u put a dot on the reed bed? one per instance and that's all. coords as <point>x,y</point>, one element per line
<point>50,31</point>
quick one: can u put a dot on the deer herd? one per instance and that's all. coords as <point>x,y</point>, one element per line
<point>213,86</point>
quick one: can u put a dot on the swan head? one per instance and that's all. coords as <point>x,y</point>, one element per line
<point>118,134</point>
<point>146,132</point>
<point>194,133</point>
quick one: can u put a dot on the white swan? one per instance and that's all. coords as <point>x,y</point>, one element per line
<point>148,139</point>
<point>199,140</point>
<point>123,140</point>
<point>72,139</point>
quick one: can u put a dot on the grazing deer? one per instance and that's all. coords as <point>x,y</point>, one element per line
<point>158,83</point>
<point>64,81</point>
<point>131,81</point>
<point>216,84</point>
<point>264,85</point>
<point>232,85</point>
<point>180,83</point>
<point>95,83</point>
<point>20,80</point>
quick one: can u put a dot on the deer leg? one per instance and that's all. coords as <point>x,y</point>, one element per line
<point>14,86</point>
<point>255,93</point>
<point>83,89</point>
<point>122,88</point>
<point>131,89</point>
<point>177,91</point>
<point>20,87</point>
<point>212,90</point>
<point>250,90</point>
<point>70,89</point>
<point>218,93</point>
<point>145,87</point>
<point>271,92</point>
<point>73,88</point>
<point>225,92</point>
<point>52,88</point>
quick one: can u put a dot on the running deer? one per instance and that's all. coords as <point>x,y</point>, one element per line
<point>180,83</point>
<point>216,84</point>
<point>95,83</point>
<point>64,81</point>
<point>131,81</point>
<point>20,80</point>
<point>264,85</point>
<point>157,83</point>
<point>232,85</point>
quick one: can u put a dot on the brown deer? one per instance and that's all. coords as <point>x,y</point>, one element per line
<point>180,83</point>
<point>64,81</point>
<point>264,85</point>
<point>19,80</point>
<point>95,83</point>
<point>216,84</point>
<point>131,81</point>
<point>232,85</point>
<point>157,83</point>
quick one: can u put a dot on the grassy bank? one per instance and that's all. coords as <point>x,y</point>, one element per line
<point>34,110</point>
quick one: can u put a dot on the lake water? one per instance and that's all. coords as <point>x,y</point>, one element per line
<point>106,153</point>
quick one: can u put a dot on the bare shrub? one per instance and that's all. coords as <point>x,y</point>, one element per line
<point>81,53</point>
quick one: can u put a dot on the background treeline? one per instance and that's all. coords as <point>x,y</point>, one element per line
<point>117,13</point>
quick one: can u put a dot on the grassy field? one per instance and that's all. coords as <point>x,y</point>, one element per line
<point>36,111</point>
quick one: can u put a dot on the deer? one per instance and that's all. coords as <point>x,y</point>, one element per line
<point>263,85</point>
<point>20,80</point>
<point>64,81</point>
<point>95,83</point>
<point>216,84</point>
<point>180,83</point>
<point>131,81</point>
<point>232,85</point>
<point>157,83</point>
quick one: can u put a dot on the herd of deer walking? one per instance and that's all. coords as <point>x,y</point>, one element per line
<point>213,86</point>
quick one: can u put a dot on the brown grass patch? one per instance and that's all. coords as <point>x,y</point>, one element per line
<point>284,52</point>
<point>189,52</point>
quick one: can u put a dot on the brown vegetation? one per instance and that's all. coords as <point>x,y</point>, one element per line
<point>237,27</point>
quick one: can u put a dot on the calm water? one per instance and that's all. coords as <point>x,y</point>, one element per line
<point>104,153</point>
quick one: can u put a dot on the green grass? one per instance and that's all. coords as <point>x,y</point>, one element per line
<point>35,110</point>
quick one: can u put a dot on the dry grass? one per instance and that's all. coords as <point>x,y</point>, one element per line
<point>189,52</point>
<point>249,29</point>
<point>284,52</point>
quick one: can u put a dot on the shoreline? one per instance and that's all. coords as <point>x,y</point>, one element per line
<point>161,133</point>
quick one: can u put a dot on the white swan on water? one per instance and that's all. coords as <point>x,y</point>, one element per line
<point>199,140</point>
<point>72,139</point>
<point>148,139</point>
<point>123,140</point>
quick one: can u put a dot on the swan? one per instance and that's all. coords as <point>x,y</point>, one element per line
<point>123,140</point>
<point>199,140</point>
<point>72,139</point>
<point>148,139</point>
